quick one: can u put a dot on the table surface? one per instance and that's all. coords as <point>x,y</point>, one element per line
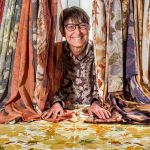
<point>77,135</point>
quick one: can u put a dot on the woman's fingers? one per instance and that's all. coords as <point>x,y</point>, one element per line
<point>47,114</point>
<point>101,113</point>
<point>107,114</point>
<point>53,112</point>
<point>54,115</point>
<point>61,112</point>
<point>90,113</point>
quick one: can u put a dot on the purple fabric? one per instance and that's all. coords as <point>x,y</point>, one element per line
<point>131,65</point>
<point>131,62</point>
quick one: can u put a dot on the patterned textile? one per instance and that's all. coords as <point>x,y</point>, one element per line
<point>11,39</point>
<point>131,65</point>
<point>132,114</point>
<point>42,82</point>
<point>22,86</point>
<point>99,39</point>
<point>138,21</point>
<point>125,108</point>
<point>47,73</point>
<point>26,100</point>
<point>2,4</point>
<point>114,49</point>
<point>3,23</point>
<point>35,7</point>
<point>6,34</point>
<point>74,134</point>
<point>109,52</point>
<point>1,42</point>
<point>138,24</point>
<point>79,78</point>
<point>125,16</point>
<point>28,32</point>
<point>54,68</point>
<point>131,62</point>
<point>146,45</point>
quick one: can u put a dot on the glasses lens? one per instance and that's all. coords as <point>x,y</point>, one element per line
<point>70,27</point>
<point>83,25</point>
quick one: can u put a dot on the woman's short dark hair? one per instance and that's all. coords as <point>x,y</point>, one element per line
<point>74,13</point>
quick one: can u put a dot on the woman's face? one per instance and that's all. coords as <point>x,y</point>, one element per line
<point>77,36</point>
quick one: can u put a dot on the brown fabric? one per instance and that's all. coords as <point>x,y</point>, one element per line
<point>54,68</point>
<point>43,30</point>
<point>29,95</point>
<point>20,102</point>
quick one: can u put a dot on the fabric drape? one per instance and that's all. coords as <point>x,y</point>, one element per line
<point>99,36</point>
<point>43,30</point>
<point>22,86</point>
<point>36,65</point>
<point>146,45</point>
<point>2,4</point>
<point>10,49</point>
<point>115,47</point>
<point>129,103</point>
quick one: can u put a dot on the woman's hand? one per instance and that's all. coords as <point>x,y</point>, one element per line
<point>100,112</point>
<point>55,111</point>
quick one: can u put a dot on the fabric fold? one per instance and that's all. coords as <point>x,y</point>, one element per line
<point>22,86</point>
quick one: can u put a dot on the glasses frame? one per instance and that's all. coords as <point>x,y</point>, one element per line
<point>75,25</point>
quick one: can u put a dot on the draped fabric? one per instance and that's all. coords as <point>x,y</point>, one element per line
<point>43,29</point>
<point>31,58</point>
<point>48,72</point>
<point>131,102</point>
<point>35,6</point>
<point>6,35</point>
<point>32,65</point>
<point>20,102</point>
<point>2,4</point>
<point>114,47</point>
<point>146,45</point>
<point>8,49</point>
<point>99,36</point>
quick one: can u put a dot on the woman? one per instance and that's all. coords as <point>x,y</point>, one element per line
<point>79,79</point>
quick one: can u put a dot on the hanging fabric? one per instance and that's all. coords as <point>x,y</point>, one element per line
<point>19,104</point>
<point>114,48</point>
<point>99,36</point>
<point>131,55</point>
<point>146,45</point>
<point>2,4</point>
<point>48,71</point>
<point>132,106</point>
<point>10,41</point>
<point>35,51</point>
<point>138,22</point>
<point>43,31</point>
<point>35,7</point>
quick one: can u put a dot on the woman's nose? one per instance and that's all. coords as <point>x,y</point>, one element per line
<point>77,29</point>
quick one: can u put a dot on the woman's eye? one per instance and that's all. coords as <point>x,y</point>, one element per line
<point>83,26</point>
<point>71,26</point>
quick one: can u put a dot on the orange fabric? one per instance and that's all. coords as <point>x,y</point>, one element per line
<point>20,102</point>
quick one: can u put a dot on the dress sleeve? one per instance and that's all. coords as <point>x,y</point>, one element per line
<point>59,97</point>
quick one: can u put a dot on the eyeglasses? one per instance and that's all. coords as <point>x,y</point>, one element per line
<point>72,27</point>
